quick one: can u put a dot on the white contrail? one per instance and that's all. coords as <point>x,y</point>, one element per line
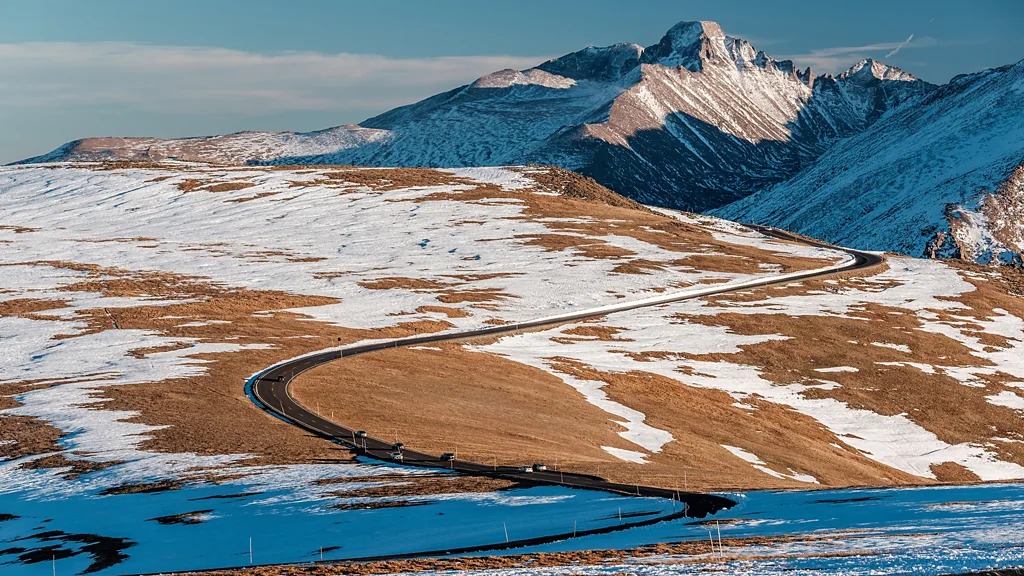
<point>895,50</point>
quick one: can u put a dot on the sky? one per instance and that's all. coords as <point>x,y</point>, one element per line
<point>71,69</point>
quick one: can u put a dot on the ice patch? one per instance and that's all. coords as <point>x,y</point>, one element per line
<point>837,369</point>
<point>760,465</point>
<point>626,455</point>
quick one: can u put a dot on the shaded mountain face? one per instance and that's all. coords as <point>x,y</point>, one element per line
<point>695,121</point>
<point>940,176</point>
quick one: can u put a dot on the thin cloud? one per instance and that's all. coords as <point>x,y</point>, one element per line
<point>897,49</point>
<point>837,59</point>
<point>218,81</point>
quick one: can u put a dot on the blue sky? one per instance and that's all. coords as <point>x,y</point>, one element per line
<point>70,69</point>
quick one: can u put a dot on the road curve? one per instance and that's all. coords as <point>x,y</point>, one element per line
<point>269,390</point>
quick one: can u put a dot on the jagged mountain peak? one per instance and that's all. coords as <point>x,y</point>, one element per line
<point>688,32</point>
<point>690,44</point>
<point>870,68</point>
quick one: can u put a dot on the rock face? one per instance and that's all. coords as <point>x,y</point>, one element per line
<point>940,176</point>
<point>695,121</point>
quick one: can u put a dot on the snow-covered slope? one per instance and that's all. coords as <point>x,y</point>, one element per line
<point>940,176</point>
<point>694,121</point>
<point>238,148</point>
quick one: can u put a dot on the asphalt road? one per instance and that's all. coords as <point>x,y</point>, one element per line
<point>269,389</point>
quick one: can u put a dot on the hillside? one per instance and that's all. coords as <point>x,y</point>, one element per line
<point>940,176</point>
<point>694,122</point>
<point>138,299</point>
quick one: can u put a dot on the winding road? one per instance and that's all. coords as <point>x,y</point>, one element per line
<point>269,389</point>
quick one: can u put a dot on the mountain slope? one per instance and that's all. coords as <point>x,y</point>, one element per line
<point>940,176</point>
<point>695,121</point>
<point>238,148</point>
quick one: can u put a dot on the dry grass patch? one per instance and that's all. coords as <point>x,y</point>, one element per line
<point>399,486</point>
<point>486,407</point>
<point>29,307</point>
<point>584,246</point>
<point>251,198</point>
<point>400,283</point>
<point>387,179</point>
<point>18,229</point>
<point>202,185</point>
<point>474,295</point>
<point>446,310</point>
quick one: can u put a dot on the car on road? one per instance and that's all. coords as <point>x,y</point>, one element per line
<point>538,467</point>
<point>360,433</point>
<point>448,457</point>
<point>397,456</point>
<point>397,446</point>
<point>525,469</point>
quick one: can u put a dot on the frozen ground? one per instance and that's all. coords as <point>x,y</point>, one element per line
<point>290,512</point>
<point>290,517</point>
<point>841,532</point>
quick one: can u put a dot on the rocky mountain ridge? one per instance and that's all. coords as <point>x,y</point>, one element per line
<point>695,121</point>
<point>940,176</point>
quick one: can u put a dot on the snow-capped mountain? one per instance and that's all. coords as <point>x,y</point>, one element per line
<point>695,121</point>
<point>940,176</point>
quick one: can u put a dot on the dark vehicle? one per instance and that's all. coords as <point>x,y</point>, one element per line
<point>448,457</point>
